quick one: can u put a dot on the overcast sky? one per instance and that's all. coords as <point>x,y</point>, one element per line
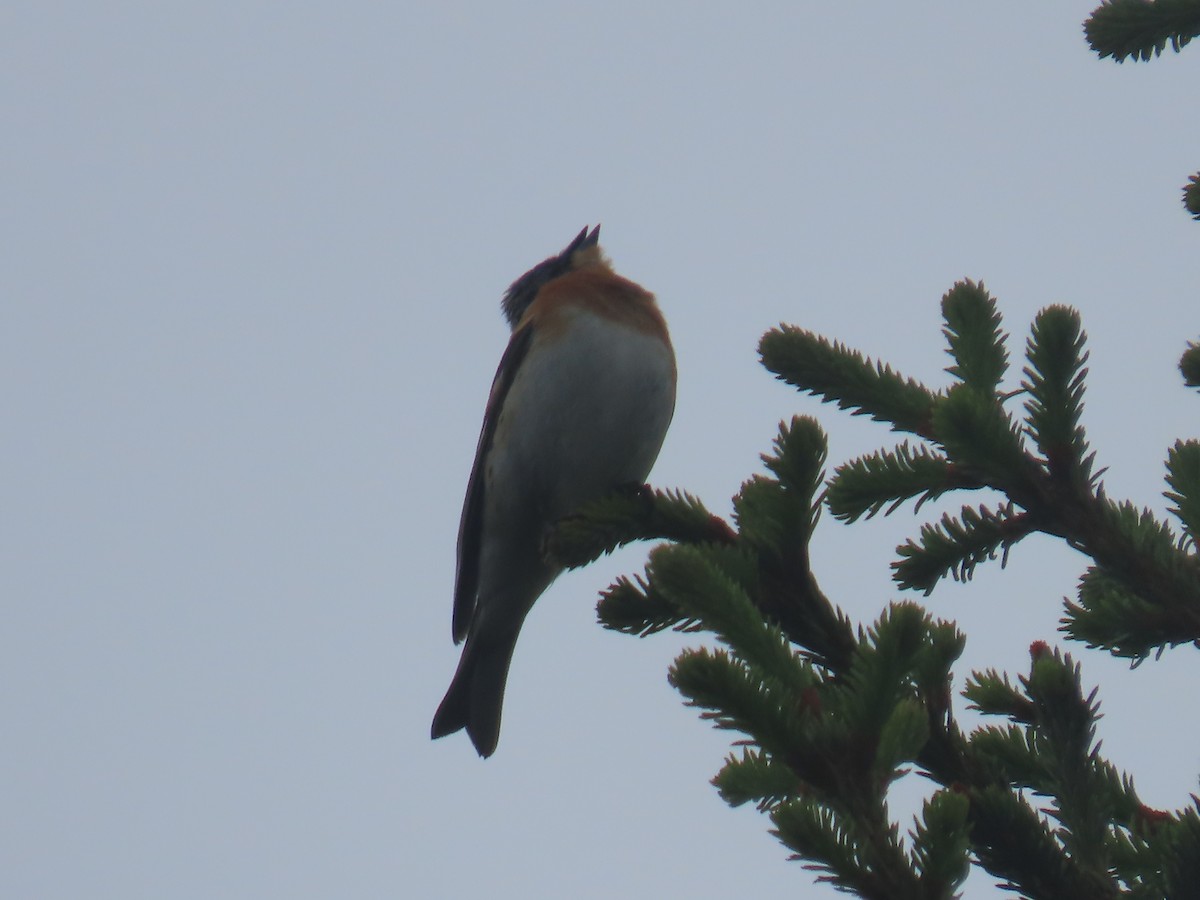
<point>251,262</point>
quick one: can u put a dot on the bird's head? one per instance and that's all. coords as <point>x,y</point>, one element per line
<point>584,250</point>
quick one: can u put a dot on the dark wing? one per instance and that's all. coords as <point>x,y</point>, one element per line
<point>470,529</point>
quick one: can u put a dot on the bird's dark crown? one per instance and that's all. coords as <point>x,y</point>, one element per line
<point>522,291</point>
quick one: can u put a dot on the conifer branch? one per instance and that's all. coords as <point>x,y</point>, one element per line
<point>775,518</point>
<point>1144,592</point>
<point>1182,862</point>
<point>994,695</point>
<point>1189,365</point>
<point>955,546</point>
<point>1055,383</point>
<point>638,513</point>
<point>979,436</point>
<point>1183,477</point>
<point>836,374</point>
<point>976,342</point>
<point>831,718</point>
<point>1191,196</point>
<point>778,514</point>
<point>1150,595</point>
<point>864,486</point>
<point>1141,29</point>
<point>735,697</point>
<point>1014,843</point>
<point>941,843</point>
<point>687,577</point>
<point>798,462</point>
<point>1052,751</point>
<point>881,672</point>
<point>756,777</point>
<point>825,843</point>
<point>638,609</point>
<point>1088,793</point>
<point>834,845</point>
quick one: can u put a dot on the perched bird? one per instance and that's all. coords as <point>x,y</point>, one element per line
<point>579,406</point>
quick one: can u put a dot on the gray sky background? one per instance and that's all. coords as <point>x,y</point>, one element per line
<point>252,260</point>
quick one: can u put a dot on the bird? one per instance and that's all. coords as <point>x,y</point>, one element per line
<point>579,407</point>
